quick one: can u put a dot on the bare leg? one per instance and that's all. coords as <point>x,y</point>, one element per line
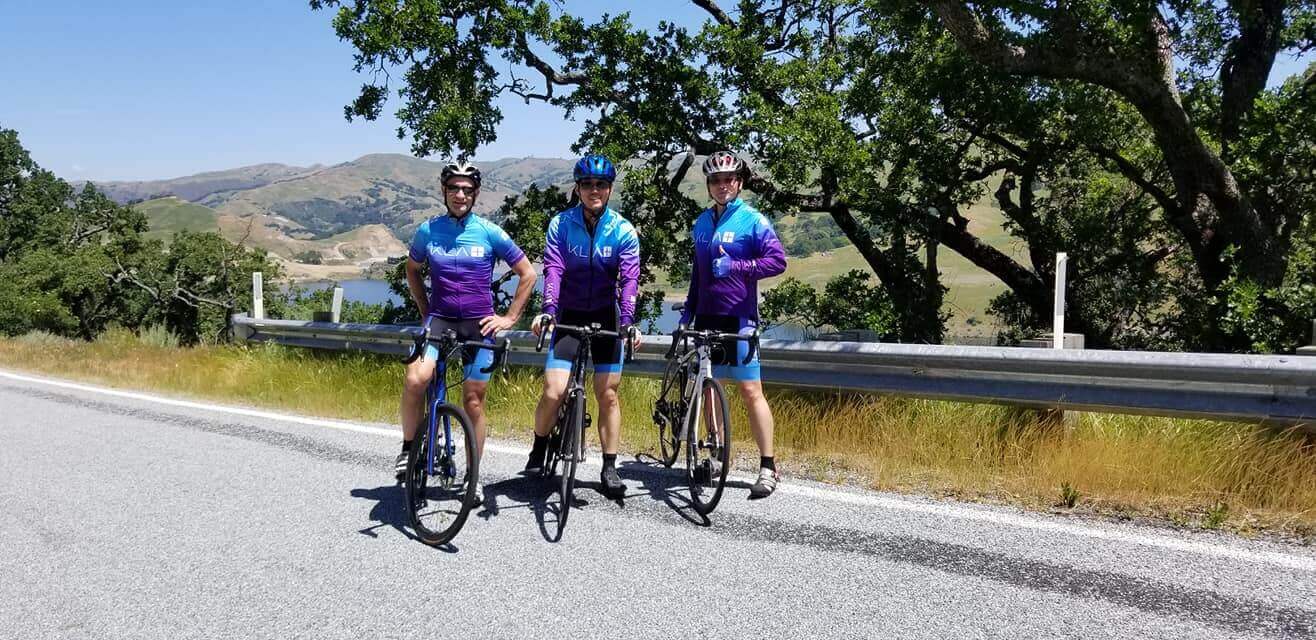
<point>411,408</point>
<point>473,399</point>
<point>760,415</point>
<point>605,390</point>
<point>555,384</point>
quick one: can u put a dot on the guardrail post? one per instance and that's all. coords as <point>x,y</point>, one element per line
<point>241,330</point>
<point>1311,349</point>
<point>1058,314</point>
<point>257,295</point>
<point>336,311</point>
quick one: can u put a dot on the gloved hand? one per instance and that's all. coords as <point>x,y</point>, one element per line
<point>722,265</point>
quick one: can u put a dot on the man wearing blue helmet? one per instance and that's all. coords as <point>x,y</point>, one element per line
<point>591,275</point>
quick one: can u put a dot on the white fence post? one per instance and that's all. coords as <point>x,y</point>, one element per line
<point>1058,324</point>
<point>336,310</point>
<point>257,295</point>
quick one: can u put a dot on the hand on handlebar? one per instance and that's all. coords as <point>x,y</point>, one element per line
<point>541,323</point>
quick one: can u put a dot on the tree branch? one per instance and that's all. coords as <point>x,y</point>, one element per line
<point>1134,174</point>
<point>1248,62</point>
<point>718,14</point>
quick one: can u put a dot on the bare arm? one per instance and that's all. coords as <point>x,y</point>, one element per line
<point>525,283</point>
<point>525,274</point>
<point>416,285</point>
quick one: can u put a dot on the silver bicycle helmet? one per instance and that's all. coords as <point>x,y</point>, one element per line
<point>722,162</point>
<point>460,170</point>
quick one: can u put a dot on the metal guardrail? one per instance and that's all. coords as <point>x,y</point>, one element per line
<point>1271,389</point>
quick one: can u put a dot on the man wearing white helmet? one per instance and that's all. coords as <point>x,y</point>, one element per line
<point>460,250</point>
<point>735,247</point>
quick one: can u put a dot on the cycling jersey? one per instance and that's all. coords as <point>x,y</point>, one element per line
<point>586,271</point>
<point>747,238</point>
<point>461,253</point>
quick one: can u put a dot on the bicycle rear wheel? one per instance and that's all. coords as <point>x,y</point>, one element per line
<point>571,451</point>
<point>669,411</point>
<point>708,449</point>
<point>440,496</point>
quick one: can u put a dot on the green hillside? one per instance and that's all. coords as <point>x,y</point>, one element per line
<point>169,215</point>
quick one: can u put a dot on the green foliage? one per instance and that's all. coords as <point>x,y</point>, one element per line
<point>1216,515</point>
<point>303,303</point>
<point>1177,185</point>
<point>1068,495</point>
<point>308,257</point>
<point>848,301</point>
<point>73,263</point>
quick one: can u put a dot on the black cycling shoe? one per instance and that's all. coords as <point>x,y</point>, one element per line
<point>612,484</point>
<point>536,462</point>
<point>703,472</point>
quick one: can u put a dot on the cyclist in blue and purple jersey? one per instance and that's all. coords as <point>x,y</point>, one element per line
<point>735,247</point>
<point>460,250</point>
<point>591,275</point>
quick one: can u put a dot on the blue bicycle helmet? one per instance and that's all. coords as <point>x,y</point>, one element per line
<point>595,166</point>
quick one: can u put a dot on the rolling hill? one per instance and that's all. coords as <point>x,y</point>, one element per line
<point>169,215</point>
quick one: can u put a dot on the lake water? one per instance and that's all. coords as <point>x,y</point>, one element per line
<point>377,292</point>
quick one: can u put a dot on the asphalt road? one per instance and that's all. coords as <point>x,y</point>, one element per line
<point>128,517</point>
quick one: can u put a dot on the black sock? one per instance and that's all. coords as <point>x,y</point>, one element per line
<point>766,462</point>
<point>609,460</point>
<point>406,444</point>
<point>540,446</point>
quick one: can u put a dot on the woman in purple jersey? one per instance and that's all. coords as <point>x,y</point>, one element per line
<point>735,247</point>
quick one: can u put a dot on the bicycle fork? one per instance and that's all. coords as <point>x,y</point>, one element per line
<point>447,471</point>
<point>696,391</point>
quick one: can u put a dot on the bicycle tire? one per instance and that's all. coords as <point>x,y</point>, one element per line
<point>439,512</point>
<point>572,450</point>
<point>669,411</point>
<point>715,440</point>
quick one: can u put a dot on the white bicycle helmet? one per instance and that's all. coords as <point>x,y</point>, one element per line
<point>722,162</point>
<point>460,170</point>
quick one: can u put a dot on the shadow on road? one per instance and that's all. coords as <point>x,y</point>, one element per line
<point>390,510</point>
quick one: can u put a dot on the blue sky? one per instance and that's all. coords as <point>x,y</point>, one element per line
<point>135,90</point>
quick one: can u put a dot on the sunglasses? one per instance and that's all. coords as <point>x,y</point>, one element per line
<point>467,191</point>
<point>594,185</point>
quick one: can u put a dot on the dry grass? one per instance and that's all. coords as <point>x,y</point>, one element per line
<point>1185,472</point>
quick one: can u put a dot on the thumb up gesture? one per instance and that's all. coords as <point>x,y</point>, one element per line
<point>722,265</point>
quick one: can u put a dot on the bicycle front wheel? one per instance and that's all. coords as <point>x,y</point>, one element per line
<point>708,449</point>
<point>442,472</point>
<point>572,451</point>
<point>669,411</point>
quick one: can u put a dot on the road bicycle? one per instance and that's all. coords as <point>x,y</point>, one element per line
<point>566,441</point>
<point>692,409</point>
<point>443,468</point>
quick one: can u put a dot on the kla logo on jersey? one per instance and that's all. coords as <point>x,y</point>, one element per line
<point>457,252</point>
<point>578,250</point>
<point>728,236</point>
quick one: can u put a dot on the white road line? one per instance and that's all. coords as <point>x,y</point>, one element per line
<point>1303,563</point>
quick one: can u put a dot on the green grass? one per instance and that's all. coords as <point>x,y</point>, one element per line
<point>1183,472</point>
<point>167,216</point>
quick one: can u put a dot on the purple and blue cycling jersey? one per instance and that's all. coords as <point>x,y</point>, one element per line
<point>461,254</point>
<point>747,238</point>
<point>600,269</point>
